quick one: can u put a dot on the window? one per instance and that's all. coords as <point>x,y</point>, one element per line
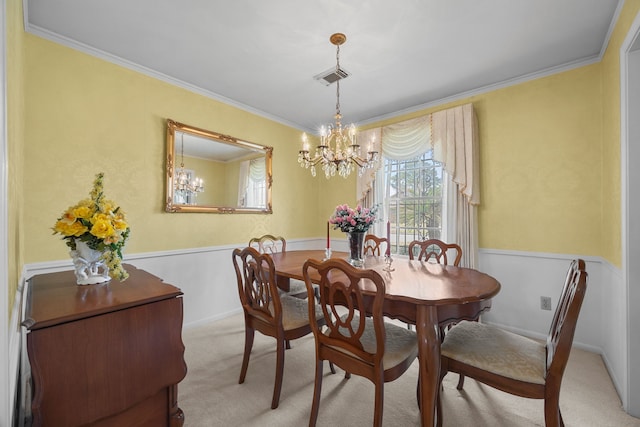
<point>256,192</point>
<point>414,200</point>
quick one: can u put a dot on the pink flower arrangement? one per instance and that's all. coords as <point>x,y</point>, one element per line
<point>353,220</point>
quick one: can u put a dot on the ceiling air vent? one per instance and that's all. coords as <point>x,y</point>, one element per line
<point>331,76</point>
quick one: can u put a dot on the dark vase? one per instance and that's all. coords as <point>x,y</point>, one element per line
<point>356,246</point>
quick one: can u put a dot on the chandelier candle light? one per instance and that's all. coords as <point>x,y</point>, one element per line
<point>338,150</point>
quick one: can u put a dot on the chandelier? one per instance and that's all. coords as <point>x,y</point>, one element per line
<point>183,184</point>
<point>338,150</point>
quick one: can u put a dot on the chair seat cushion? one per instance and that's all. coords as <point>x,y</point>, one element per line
<point>400,343</point>
<point>295,312</point>
<point>496,350</point>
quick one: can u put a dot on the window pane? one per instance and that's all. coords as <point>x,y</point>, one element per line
<point>414,189</point>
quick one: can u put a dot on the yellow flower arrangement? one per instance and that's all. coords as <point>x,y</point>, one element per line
<point>101,224</point>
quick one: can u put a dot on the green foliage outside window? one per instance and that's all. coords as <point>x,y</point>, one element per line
<point>414,197</point>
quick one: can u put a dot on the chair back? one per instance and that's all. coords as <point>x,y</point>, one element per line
<point>257,287</point>
<point>269,244</point>
<point>372,244</point>
<point>340,297</point>
<point>436,249</point>
<point>565,318</point>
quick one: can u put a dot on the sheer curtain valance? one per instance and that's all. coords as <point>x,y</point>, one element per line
<point>452,133</point>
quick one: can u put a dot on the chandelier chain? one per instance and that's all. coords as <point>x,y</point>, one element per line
<point>338,81</point>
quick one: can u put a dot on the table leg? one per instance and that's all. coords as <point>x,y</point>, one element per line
<point>428,333</point>
<point>283,283</point>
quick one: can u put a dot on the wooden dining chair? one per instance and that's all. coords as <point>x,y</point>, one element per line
<point>280,316</point>
<point>372,244</point>
<point>269,244</point>
<point>361,344</point>
<point>436,249</point>
<point>516,364</point>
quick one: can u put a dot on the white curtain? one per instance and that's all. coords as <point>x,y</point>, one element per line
<point>399,141</point>
<point>455,144</point>
<point>243,183</point>
<point>364,183</point>
<point>453,135</point>
<point>406,140</point>
<point>257,169</point>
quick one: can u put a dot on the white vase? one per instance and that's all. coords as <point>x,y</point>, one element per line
<point>89,266</point>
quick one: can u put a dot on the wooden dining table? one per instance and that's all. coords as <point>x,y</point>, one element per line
<point>427,295</point>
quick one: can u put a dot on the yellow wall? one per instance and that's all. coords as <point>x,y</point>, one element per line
<point>86,115</point>
<point>15,137</point>
<point>611,227</point>
<point>540,166</point>
<point>549,157</point>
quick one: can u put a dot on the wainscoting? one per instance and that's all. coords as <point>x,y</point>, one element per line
<point>207,278</point>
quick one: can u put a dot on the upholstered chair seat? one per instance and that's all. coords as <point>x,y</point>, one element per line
<point>400,343</point>
<point>498,351</point>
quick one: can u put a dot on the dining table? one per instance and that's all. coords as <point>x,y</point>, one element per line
<point>428,295</point>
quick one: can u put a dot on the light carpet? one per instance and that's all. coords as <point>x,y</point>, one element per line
<point>211,396</point>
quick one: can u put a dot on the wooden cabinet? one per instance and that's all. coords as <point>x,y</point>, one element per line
<point>104,355</point>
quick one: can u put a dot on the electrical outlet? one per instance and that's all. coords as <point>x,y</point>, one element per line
<point>545,303</point>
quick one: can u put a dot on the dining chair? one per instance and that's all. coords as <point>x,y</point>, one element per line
<point>361,344</point>
<point>271,244</point>
<point>372,244</point>
<point>436,249</point>
<point>516,364</point>
<point>439,251</point>
<point>280,316</point>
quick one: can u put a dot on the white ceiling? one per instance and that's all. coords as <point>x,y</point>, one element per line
<point>402,55</point>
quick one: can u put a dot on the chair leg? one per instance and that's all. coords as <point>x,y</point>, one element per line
<point>288,345</point>
<point>317,389</point>
<point>418,392</point>
<point>439,405</point>
<point>460,382</point>
<point>279,373</point>
<point>333,369</point>
<point>248,344</point>
<point>552,415</point>
<point>443,372</point>
<point>379,403</point>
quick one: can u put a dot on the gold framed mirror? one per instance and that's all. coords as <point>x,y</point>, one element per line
<point>216,173</point>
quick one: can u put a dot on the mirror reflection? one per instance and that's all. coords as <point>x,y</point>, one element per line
<point>211,172</point>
